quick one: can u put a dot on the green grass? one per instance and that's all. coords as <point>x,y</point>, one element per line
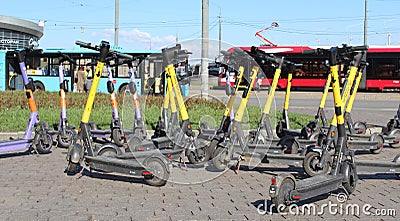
<point>14,111</point>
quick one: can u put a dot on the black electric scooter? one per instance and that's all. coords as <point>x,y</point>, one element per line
<point>150,164</point>
<point>284,189</point>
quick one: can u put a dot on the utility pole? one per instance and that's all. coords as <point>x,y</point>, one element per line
<point>365,23</point>
<point>220,32</point>
<point>204,48</point>
<point>116,22</point>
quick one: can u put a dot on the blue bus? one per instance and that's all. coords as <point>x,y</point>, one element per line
<point>43,69</point>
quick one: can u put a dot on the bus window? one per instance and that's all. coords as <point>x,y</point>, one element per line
<point>385,68</point>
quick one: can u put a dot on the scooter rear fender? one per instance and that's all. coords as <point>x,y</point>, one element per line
<point>75,153</point>
<point>274,188</point>
<point>108,146</point>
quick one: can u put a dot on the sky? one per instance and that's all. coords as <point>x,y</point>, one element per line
<point>145,24</point>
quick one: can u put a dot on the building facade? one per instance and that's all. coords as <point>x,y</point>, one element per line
<point>17,33</point>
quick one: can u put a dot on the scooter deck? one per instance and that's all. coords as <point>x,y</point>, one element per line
<point>164,145</point>
<point>361,144</point>
<point>17,144</point>
<point>101,133</point>
<point>292,132</point>
<point>286,159</point>
<point>317,185</point>
<point>373,166</point>
<point>125,166</point>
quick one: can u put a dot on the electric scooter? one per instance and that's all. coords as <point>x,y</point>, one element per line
<point>285,189</point>
<point>139,127</point>
<point>150,164</point>
<point>42,141</point>
<point>265,140</point>
<point>182,139</point>
<point>116,132</point>
<point>363,166</point>
<point>391,131</point>
<point>224,150</point>
<point>167,123</point>
<point>232,66</point>
<point>65,133</point>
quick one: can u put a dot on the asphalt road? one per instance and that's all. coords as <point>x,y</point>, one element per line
<point>371,107</point>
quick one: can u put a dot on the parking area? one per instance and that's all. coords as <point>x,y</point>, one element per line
<point>35,187</point>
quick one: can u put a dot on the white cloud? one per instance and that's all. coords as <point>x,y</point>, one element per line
<point>134,35</point>
<point>135,39</point>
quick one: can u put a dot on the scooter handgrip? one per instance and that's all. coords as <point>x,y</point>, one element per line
<point>312,51</point>
<point>359,48</point>
<point>86,45</point>
<point>66,57</point>
<point>121,55</point>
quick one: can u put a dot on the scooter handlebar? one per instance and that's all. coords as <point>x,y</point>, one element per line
<point>65,57</point>
<point>97,48</point>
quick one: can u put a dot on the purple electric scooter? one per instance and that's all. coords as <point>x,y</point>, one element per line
<point>42,140</point>
<point>65,133</point>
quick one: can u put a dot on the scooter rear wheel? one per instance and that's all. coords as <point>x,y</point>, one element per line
<point>221,158</point>
<point>291,146</point>
<point>199,158</point>
<point>361,127</point>
<point>397,135</point>
<point>159,171</point>
<point>133,143</point>
<point>282,199</point>
<point>397,175</point>
<point>377,138</point>
<point>310,164</point>
<point>212,147</point>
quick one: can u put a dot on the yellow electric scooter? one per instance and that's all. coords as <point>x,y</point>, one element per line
<point>285,189</point>
<point>152,165</point>
<point>232,64</point>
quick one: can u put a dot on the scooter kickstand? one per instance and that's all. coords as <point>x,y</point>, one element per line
<point>184,163</point>
<point>80,174</point>
<point>237,166</point>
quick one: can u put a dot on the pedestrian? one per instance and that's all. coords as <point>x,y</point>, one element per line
<point>88,77</point>
<point>81,80</point>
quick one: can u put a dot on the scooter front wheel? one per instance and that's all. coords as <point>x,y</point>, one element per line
<point>310,164</point>
<point>160,174</point>
<point>44,143</point>
<point>221,158</point>
<point>350,182</point>
<point>71,168</point>
<point>282,199</point>
<point>118,138</point>
<point>65,141</point>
